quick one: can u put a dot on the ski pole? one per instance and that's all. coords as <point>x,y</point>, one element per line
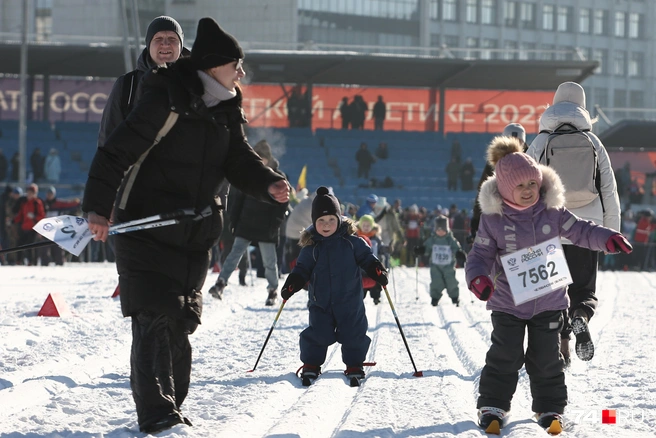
<point>416,373</point>
<point>156,218</point>
<point>416,278</point>
<point>266,341</point>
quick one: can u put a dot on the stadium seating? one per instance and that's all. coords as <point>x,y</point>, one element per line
<point>416,163</point>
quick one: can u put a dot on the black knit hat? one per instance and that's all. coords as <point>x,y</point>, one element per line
<point>325,204</point>
<point>161,24</point>
<point>214,46</point>
<point>442,223</point>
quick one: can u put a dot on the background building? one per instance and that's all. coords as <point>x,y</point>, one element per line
<point>615,33</point>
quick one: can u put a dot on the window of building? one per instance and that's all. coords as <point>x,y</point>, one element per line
<point>450,10</point>
<point>471,11</point>
<point>527,15</point>
<point>562,19</point>
<point>619,98</point>
<point>488,12</point>
<point>43,20</point>
<point>488,43</point>
<point>600,55</point>
<point>619,63</point>
<point>601,97</point>
<point>434,10</point>
<point>584,20</point>
<point>634,25</point>
<point>547,17</point>
<point>452,41</point>
<point>636,64</point>
<point>510,50</point>
<point>435,40</point>
<point>510,13</point>
<point>527,51</point>
<point>620,20</point>
<point>547,53</point>
<point>471,43</point>
<point>636,99</point>
<point>599,22</point>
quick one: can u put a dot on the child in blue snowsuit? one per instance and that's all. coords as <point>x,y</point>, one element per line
<point>330,259</point>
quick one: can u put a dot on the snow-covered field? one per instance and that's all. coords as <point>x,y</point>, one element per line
<point>69,377</point>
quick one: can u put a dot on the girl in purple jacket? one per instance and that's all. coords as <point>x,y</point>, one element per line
<point>523,206</point>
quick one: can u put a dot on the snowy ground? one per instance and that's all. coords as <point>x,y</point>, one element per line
<point>68,377</point>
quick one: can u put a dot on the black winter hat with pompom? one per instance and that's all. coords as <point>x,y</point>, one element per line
<point>325,204</point>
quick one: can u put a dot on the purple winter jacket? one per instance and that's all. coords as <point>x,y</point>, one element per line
<point>504,230</point>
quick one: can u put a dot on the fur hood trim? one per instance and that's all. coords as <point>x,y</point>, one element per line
<point>347,226</point>
<point>552,192</point>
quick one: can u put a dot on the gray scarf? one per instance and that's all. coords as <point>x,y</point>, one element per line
<point>214,92</point>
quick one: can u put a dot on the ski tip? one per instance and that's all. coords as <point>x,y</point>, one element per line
<point>418,374</point>
<point>494,428</point>
<point>555,428</point>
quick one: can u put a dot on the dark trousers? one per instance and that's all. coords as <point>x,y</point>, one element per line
<point>542,359</point>
<point>160,364</point>
<point>582,264</point>
<point>326,328</point>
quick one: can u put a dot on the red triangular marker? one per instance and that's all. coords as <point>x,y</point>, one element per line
<point>54,306</point>
<point>117,291</point>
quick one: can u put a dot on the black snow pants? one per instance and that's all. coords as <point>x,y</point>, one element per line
<point>544,364</point>
<point>160,365</point>
<point>582,264</point>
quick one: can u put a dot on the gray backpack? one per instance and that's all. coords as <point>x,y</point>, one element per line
<point>571,153</point>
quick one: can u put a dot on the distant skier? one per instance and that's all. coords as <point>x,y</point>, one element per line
<point>331,259</point>
<point>443,250</point>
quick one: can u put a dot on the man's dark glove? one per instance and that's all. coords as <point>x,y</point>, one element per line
<point>419,250</point>
<point>376,271</point>
<point>293,284</point>
<point>461,258</point>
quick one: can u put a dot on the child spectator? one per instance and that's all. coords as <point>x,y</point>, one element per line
<point>331,259</point>
<point>368,229</point>
<point>522,206</point>
<point>443,250</point>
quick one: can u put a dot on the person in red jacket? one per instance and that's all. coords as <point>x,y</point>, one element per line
<point>30,212</point>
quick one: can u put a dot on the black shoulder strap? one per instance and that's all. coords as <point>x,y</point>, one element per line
<point>598,186</point>
<point>130,83</point>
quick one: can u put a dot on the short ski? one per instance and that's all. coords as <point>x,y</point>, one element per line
<point>551,422</point>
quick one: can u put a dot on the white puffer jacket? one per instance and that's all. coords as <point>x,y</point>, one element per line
<point>572,111</point>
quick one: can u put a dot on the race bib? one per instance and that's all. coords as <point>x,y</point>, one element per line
<point>536,271</point>
<point>68,232</point>
<point>441,255</point>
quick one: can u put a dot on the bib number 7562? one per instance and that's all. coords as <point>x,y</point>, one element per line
<point>538,273</point>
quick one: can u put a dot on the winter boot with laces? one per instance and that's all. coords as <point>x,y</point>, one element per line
<point>552,422</point>
<point>584,346</point>
<point>217,290</point>
<point>492,419</point>
<point>309,374</point>
<point>271,299</point>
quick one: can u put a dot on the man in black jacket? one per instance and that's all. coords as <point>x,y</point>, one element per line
<point>181,140</point>
<point>254,221</point>
<point>164,39</point>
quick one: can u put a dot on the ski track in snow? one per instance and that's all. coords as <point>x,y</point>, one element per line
<point>69,377</point>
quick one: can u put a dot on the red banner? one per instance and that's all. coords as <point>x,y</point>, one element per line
<point>408,109</point>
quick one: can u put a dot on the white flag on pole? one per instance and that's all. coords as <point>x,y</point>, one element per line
<point>71,233</point>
